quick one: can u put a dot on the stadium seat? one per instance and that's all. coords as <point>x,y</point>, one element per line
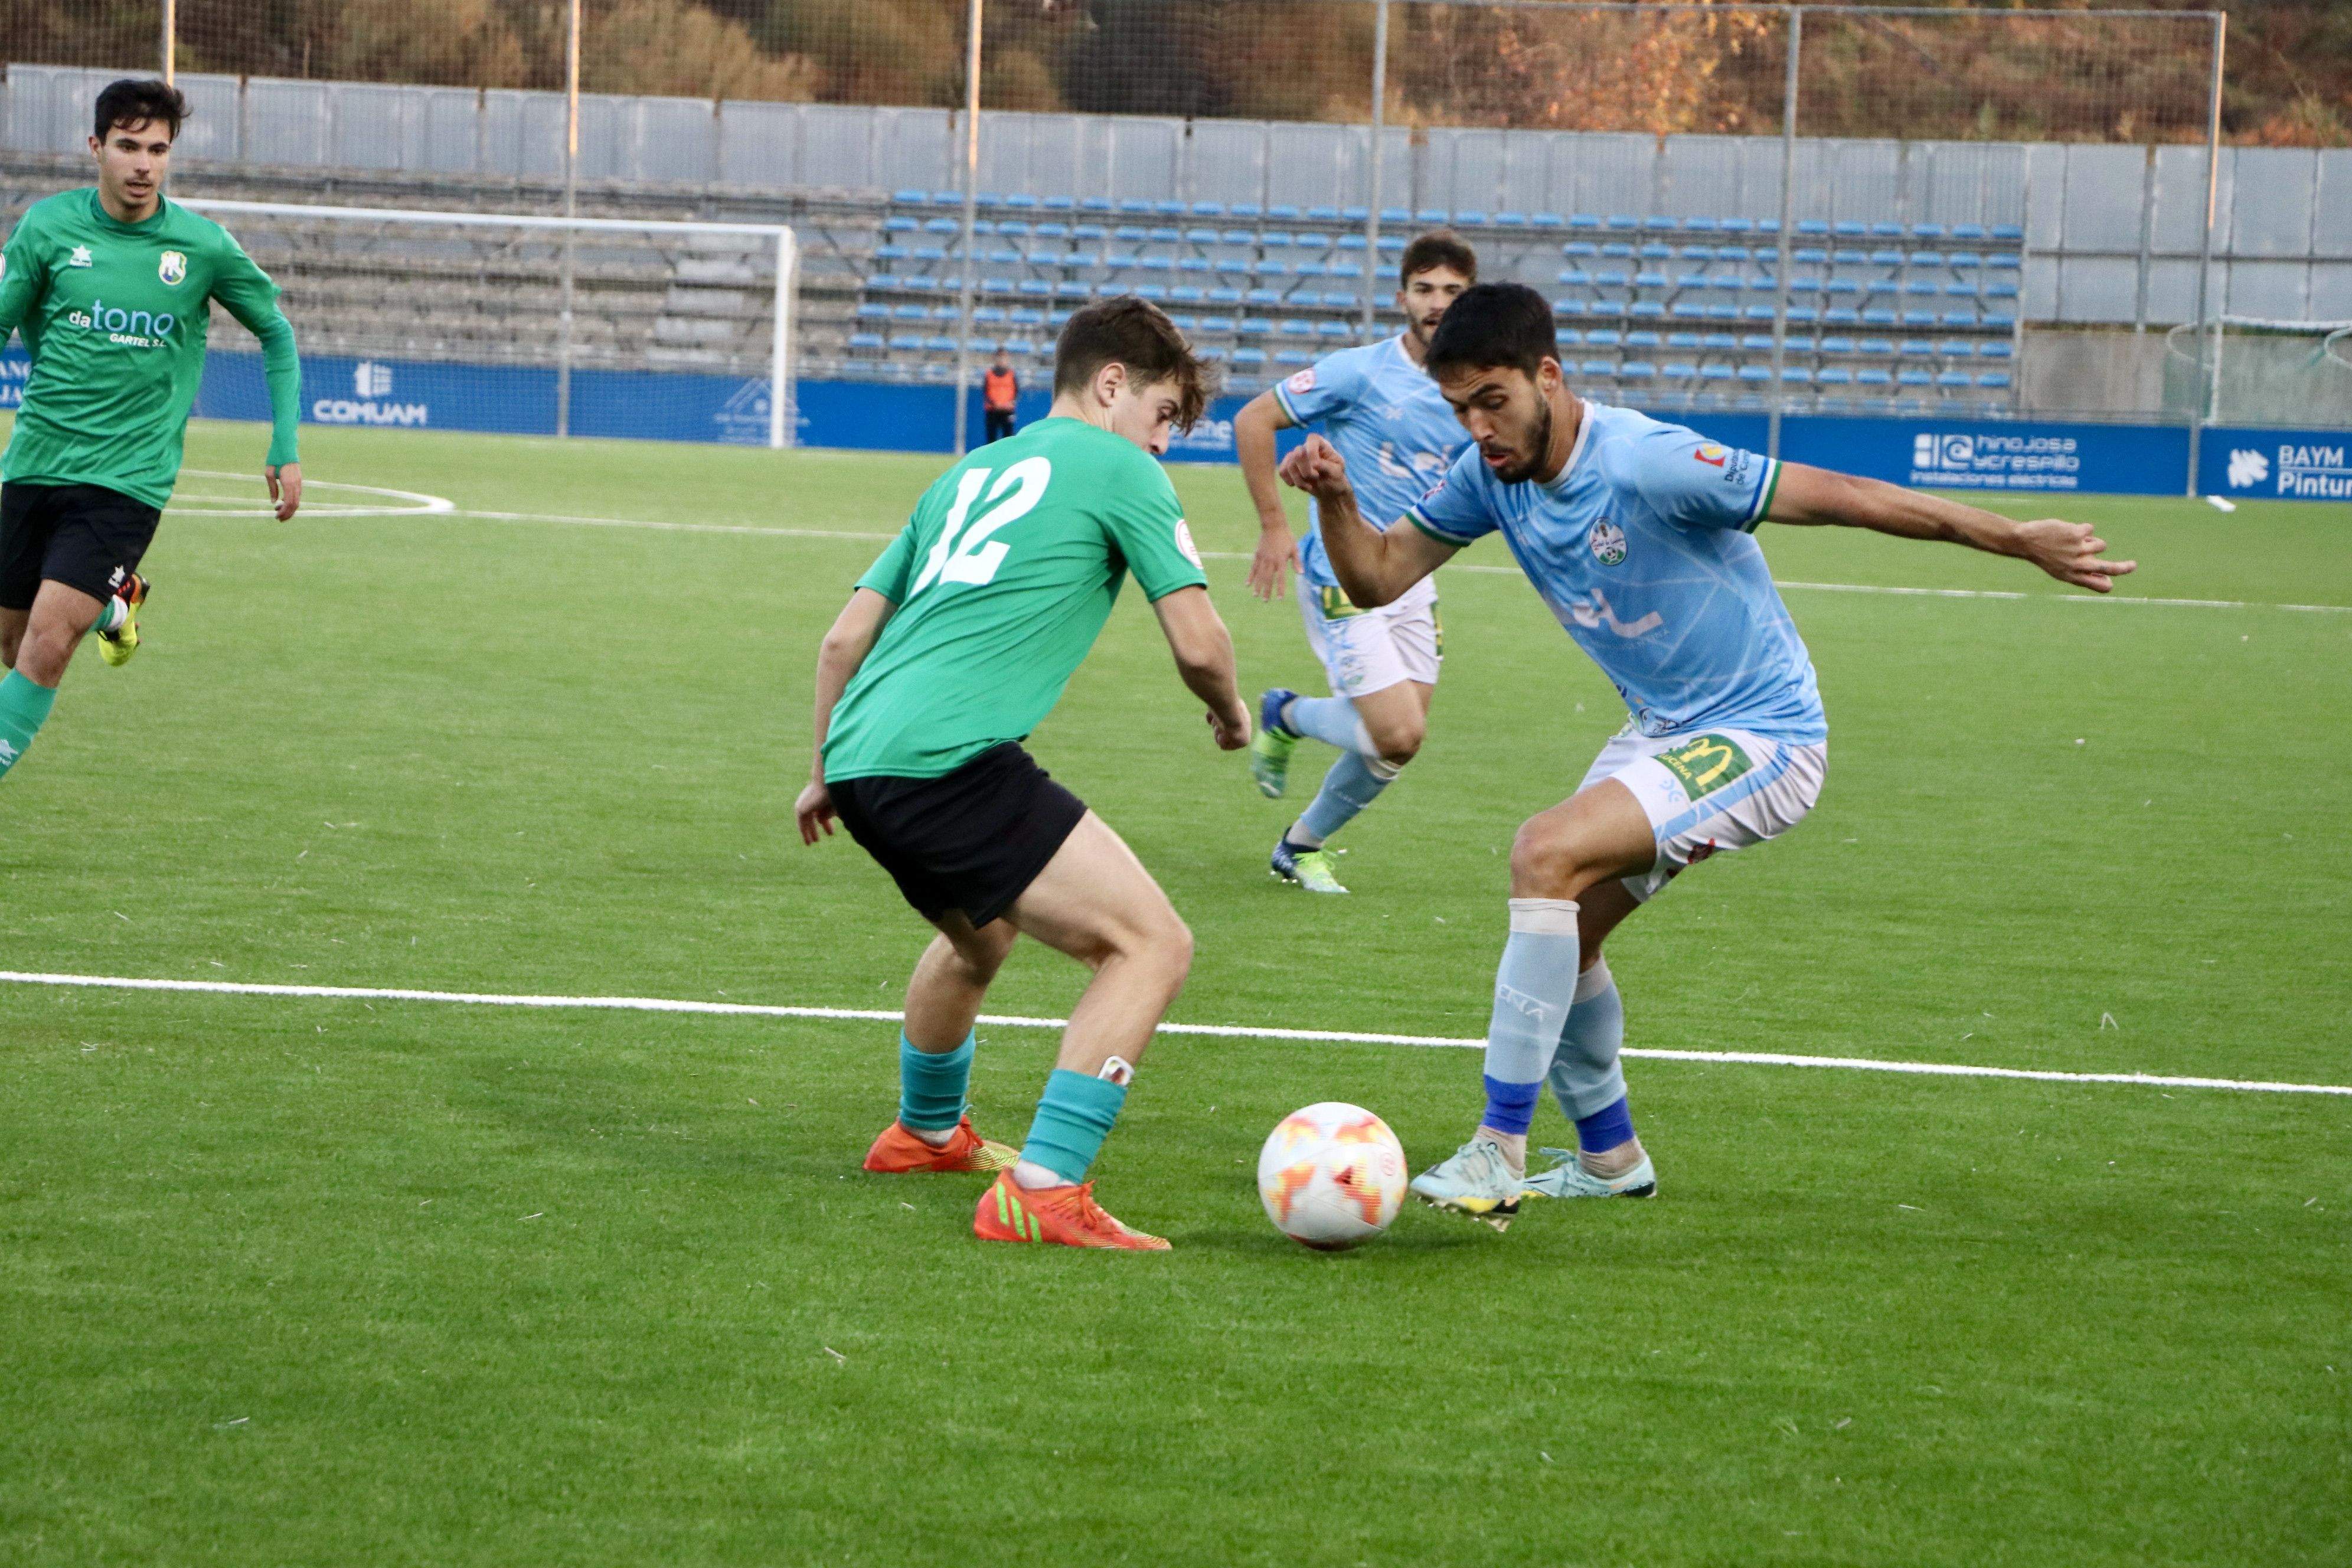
<point>1569,337</point>
<point>1715,373</point>
<point>1914,378</point>
<point>1334,330</point>
<point>1602,338</point>
<point>1872,377</point>
<point>1998,349</point>
<point>1597,367</point>
<point>1754,372</point>
<point>1249,357</point>
<point>1955,378</point>
<point>1637,370</point>
<point>1993,378</point>
<point>1294,356</point>
<point>1679,369</point>
<point>873,341</point>
<point>1294,327</point>
<point>1835,375</point>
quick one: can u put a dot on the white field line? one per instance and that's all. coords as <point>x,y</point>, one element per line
<point>1219,1031</point>
<point>577,520</point>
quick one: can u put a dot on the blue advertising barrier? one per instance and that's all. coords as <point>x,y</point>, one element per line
<point>2275,464</point>
<point>1990,455</point>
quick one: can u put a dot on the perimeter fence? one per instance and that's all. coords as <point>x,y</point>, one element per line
<point>1768,208</point>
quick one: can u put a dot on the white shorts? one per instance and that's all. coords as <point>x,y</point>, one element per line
<point>1364,651</point>
<point>1707,790</point>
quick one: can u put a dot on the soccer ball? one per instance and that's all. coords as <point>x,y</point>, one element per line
<point>1331,1175</point>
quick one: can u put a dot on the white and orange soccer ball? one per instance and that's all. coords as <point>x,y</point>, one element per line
<point>1331,1175</point>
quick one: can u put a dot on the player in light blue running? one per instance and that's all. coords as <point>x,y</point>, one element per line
<point>1389,421</point>
<point>1637,534</point>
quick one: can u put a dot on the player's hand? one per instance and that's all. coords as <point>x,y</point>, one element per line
<point>1232,729</point>
<point>284,488</point>
<point>1315,466</point>
<point>2070,551</point>
<point>1275,551</point>
<point>813,811</point>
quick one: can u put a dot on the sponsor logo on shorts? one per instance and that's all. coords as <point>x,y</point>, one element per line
<point>115,581</point>
<point>1608,543</point>
<point>1705,763</point>
<point>172,267</point>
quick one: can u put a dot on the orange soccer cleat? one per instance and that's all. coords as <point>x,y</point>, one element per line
<point>899,1152</point>
<point>1066,1217</point>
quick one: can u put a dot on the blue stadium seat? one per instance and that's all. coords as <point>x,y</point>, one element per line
<point>1679,369</point>
<point>1998,320</point>
<point>1637,370</point>
<point>1225,296</point>
<point>2000,348</point>
<point>1569,337</point>
<point>2005,263</point>
<point>907,339</point>
<point>1282,211</point>
<point>1835,375</point>
<point>1993,378</point>
<point>1959,318</point>
<point>1266,297</point>
<point>1095,204</point>
<point>1955,378</point>
<point>1294,327</point>
<point>1471,219</point>
<point>1250,210</point>
<point>1927,231</point>
<point>1567,307</point>
<point>1975,231</point>
<point>869,310</point>
<point>1872,377</point>
<point>1683,310</point>
<point>1217,323</point>
<point>1583,220</point>
<point>1720,342</point>
<point>1914,378</point>
<point>1339,299</point>
<point>1800,374</point>
<point>900,226</point>
<point>868,341</point>
<point>1919,317</point>
<point>1715,373</point>
<point>1249,357</point>
<point>1334,330</point>
<point>1837,345</point>
<point>1755,373</point>
<point>1646,310</point>
<point>1511,220</point>
<point>1294,356</point>
<point>1700,225</point>
<point>1022,315</point>
<point>1597,367</point>
<point>1258,326</point>
<point>1623,221</point>
<point>1734,225</point>
<point>940,345</point>
<point>1548,220</point>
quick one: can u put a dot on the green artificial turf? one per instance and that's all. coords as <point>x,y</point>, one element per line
<point>309,1281</point>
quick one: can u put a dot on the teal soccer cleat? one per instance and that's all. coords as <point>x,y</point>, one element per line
<point>1569,1179</point>
<point>1270,749</point>
<point>1476,1182</point>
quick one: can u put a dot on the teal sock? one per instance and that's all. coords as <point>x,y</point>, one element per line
<point>24,708</point>
<point>1074,1117</point>
<point>931,1085</point>
<point>110,615</point>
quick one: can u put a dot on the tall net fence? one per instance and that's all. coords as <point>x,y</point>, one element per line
<point>1746,206</point>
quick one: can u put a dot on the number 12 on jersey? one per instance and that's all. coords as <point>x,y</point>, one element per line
<point>968,554</point>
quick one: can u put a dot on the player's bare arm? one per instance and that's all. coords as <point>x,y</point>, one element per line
<point>1203,650</point>
<point>2070,551</point>
<point>1373,568</point>
<point>846,643</point>
<point>1277,551</point>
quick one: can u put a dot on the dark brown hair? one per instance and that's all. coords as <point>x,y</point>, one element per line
<point>1138,334</point>
<point>1493,325</point>
<point>1438,248</point>
<point>132,101</point>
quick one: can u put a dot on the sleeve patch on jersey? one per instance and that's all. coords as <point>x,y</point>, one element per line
<point>1304,381</point>
<point>1711,455</point>
<point>1184,543</point>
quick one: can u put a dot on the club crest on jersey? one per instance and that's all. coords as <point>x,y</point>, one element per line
<point>1608,543</point>
<point>172,267</point>
<point>1303,381</point>
<point>80,257</point>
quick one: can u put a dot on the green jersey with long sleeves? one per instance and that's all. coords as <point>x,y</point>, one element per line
<point>1002,579</point>
<point>115,316</point>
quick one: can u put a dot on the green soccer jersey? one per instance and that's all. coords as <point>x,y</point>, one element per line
<point>115,316</point>
<point>1002,579</point>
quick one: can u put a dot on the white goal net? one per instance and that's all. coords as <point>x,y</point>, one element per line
<point>2244,369</point>
<point>522,324</point>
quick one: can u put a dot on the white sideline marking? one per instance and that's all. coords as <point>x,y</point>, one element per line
<point>1222,1031</point>
<point>759,529</point>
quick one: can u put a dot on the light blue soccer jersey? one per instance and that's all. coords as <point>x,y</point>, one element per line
<point>1389,421</point>
<point>1641,547</point>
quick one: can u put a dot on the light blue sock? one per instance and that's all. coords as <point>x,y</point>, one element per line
<point>1353,784</point>
<point>1586,1076</point>
<point>24,707</point>
<point>1535,986</point>
<point>1332,721</point>
<point>1074,1116</point>
<point>932,1084</point>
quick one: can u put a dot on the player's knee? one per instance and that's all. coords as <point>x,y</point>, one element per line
<point>1399,743</point>
<point>43,653</point>
<point>1548,861</point>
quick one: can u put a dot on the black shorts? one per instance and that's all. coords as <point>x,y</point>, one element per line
<point>85,536</point>
<point>972,839</point>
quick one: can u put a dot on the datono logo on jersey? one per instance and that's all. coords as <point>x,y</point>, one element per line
<point>1996,462</point>
<point>369,405</point>
<point>131,328</point>
<point>2306,470</point>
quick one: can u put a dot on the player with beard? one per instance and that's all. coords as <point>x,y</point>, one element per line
<point>1388,421</point>
<point>1638,534</point>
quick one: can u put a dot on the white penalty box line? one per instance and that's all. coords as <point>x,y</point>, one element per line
<point>1213,1031</point>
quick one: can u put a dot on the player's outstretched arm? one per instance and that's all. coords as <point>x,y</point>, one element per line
<point>2070,551</point>
<point>1374,568</point>
<point>1204,658</point>
<point>1277,551</point>
<point>246,291</point>
<point>846,643</point>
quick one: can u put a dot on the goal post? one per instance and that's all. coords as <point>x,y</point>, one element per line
<point>531,324</point>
